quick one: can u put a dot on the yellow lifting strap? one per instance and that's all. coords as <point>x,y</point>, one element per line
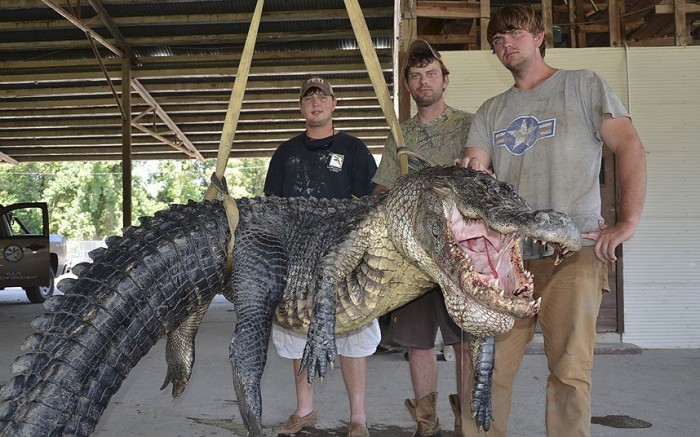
<point>235,103</point>
<point>359,26</point>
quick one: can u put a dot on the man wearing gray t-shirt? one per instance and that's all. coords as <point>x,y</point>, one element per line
<point>545,136</point>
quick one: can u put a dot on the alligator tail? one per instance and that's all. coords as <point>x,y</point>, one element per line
<point>142,286</point>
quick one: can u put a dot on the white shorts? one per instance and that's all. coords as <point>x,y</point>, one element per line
<point>361,342</point>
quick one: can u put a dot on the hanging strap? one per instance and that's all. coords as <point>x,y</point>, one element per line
<point>218,182</point>
<point>374,69</point>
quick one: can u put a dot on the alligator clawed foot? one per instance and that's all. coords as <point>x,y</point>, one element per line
<point>482,413</point>
<point>179,377</point>
<point>317,358</point>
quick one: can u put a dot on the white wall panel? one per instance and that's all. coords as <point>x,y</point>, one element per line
<point>661,88</point>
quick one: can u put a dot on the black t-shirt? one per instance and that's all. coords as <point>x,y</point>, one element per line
<point>340,166</point>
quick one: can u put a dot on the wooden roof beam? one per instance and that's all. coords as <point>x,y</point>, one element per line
<point>80,25</point>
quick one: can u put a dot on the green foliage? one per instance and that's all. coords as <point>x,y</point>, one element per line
<point>85,198</point>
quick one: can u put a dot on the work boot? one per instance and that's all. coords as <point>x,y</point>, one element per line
<point>457,409</point>
<point>424,413</point>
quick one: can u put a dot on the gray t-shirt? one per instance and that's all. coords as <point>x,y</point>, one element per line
<point>440,142</point>
<point>545,141</point>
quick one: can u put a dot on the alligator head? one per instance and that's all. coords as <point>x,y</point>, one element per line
<point>466,236</point>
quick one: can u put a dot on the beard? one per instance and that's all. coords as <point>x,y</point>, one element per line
<point>426,99</point>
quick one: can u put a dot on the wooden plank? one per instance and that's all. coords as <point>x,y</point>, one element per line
<point>690,8</point>
<point>447,9</point>
<point>593,28</point>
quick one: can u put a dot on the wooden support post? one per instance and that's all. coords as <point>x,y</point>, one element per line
<point>548,23</point>
<point>614,14</point>
<point>573,28</point>
<point>679,10</point>
<point>374,69</point>
<point>581,17</point>
<point>126,142</point>
<point>407,33</point>
<point>485,9</point>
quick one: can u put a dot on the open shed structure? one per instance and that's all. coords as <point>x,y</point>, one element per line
<point>130,80</point>
<point>64,65</point>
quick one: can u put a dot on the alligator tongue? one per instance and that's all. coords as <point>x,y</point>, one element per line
<point>481,245</point>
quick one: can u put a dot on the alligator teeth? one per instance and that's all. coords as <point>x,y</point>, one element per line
<point>558,260</point>
<point>502,294</point>
<point>534,303</point>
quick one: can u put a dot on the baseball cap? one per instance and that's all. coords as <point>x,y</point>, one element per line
<point>421,45</point>
<point>316,82</point>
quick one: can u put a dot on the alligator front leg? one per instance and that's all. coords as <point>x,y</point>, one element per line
<point>257,282</point>
<point>482,354</point>
<point>320,351</point>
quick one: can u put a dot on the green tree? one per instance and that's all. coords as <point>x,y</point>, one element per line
<point>85,198</point>
<point>23,183</point>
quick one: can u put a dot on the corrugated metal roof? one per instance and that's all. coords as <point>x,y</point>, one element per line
<point>56,104</point>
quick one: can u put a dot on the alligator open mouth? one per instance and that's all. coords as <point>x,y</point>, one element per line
<point>492,267</point>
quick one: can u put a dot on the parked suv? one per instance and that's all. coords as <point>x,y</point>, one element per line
<point>31,258</point>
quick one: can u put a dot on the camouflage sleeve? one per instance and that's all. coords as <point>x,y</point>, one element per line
<point>389,169</point>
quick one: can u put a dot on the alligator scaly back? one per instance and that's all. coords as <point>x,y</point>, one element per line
<point>111,316</point>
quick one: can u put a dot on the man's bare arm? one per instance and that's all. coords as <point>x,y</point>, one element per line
<point>621,137</point>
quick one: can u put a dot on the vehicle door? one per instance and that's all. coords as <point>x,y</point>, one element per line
<point>24,241</point>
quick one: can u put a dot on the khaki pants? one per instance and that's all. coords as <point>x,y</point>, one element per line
<point>571,295</point>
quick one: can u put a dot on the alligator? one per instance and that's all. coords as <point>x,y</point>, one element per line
<point>317,266</point>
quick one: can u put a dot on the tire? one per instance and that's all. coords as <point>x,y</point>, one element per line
<point>40,294</point>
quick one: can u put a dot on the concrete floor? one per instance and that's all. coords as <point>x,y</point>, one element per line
<point>660,388</point>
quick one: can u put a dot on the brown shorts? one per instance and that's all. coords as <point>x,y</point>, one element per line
<point>416,323</point>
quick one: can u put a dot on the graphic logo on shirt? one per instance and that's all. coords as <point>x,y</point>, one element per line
<point>523,132</point>
<point>335,164</point>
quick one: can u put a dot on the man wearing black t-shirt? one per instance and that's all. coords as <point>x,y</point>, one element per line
<point>323,162</point>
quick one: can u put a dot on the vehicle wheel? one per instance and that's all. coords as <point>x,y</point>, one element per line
<point>40,294</point>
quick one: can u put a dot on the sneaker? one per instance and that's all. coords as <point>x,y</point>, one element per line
<point>358,430</point>
<point>295,424</point>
